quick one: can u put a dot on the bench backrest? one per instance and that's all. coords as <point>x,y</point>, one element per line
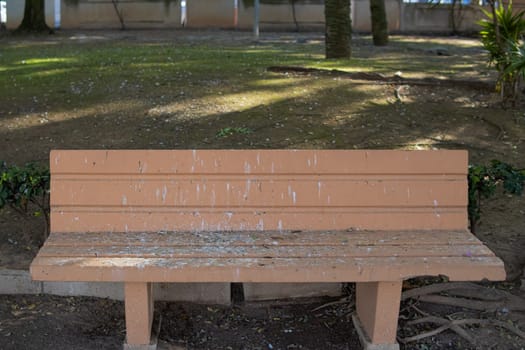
<point>208,190</point>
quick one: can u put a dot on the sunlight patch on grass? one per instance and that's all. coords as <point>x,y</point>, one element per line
<point>432,141</point>
<point>47,60</point>
<point>434,41</point>
<point>49,73</point>
<point>30,120</point>
<point>278,82</point>
<point>249,99</point>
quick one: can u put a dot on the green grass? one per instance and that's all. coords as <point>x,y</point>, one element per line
<point>131,94</point>
<point>84,73</point>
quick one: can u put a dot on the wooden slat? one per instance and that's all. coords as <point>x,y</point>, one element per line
<point>298,252</point>
<point>301,245</point>
<point>265,270</point>
<point>252,192</point>
<point>266,238</point>
<point>137,220</point>
<point>257,162</point>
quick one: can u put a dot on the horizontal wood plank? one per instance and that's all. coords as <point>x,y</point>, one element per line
<point>253,192</point>
<point>270,251</point>
<point>140,219</point>
<point>265,238</point>
<point>257,162</point>
<point>329,256</point>
<point>264,269</point>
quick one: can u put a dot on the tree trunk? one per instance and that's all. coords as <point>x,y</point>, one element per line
<point>379,22</point>
<point>34,17</point>
<point>292,2</point>
<point>338,30</point>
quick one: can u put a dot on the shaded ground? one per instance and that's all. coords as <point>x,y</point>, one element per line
<point>47,322</point>
<point>169,92</point>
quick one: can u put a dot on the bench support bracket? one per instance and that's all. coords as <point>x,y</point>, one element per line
<point>377,308</point>
<point>139,315</point>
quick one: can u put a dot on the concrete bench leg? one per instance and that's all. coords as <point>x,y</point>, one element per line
<point>139,316</point>
<point>377,307</point>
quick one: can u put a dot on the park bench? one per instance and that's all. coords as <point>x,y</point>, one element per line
<point>371,217</point>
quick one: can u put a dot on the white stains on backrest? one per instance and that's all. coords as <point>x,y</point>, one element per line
<point>280,226</point>
<point>247,168</point>
<point>436,208</point>
<point>142,167</point>
<point>213,198</point>
<point>289,191</point>
<point>164,193</point>
<point>260,225</point>
<point>247,188</point>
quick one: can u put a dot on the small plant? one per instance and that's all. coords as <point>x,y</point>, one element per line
<point>501,33</point>
<point>20,187</point>
<point>228,131</point>
<point>482,183</point>
<point>517,60</point>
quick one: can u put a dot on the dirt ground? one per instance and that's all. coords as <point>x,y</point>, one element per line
<point>425,117</point>
<point>50,322</point>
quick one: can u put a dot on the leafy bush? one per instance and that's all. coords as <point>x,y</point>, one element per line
<point>20,187</point>
<point>517,60</point>
<point>483,181</point>
<point>501,33</point>
<point>228,131</point>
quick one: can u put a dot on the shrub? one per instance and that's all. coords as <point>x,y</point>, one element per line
<point>22,186</point>
<point>483,181</point>
<point>501,34</point>
<point>228,131</point>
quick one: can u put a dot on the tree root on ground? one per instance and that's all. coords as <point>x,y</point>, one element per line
<point>345,300</point>
<point>479,298</point>
<point>465,295</point>
<point>455,325</point>
<point>394,80</point>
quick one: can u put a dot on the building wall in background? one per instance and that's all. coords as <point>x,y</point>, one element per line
<point>274,15</point>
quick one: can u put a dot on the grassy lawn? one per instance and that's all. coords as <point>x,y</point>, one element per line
<point>159,94</point>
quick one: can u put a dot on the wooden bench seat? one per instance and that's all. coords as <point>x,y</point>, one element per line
<point>252,256</point>
<point>371,217</point>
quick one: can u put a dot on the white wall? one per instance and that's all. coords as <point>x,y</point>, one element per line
<point>136,14</point>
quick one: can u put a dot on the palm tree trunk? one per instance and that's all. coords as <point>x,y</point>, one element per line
<point>379,22</point>
<point>338,30</point>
